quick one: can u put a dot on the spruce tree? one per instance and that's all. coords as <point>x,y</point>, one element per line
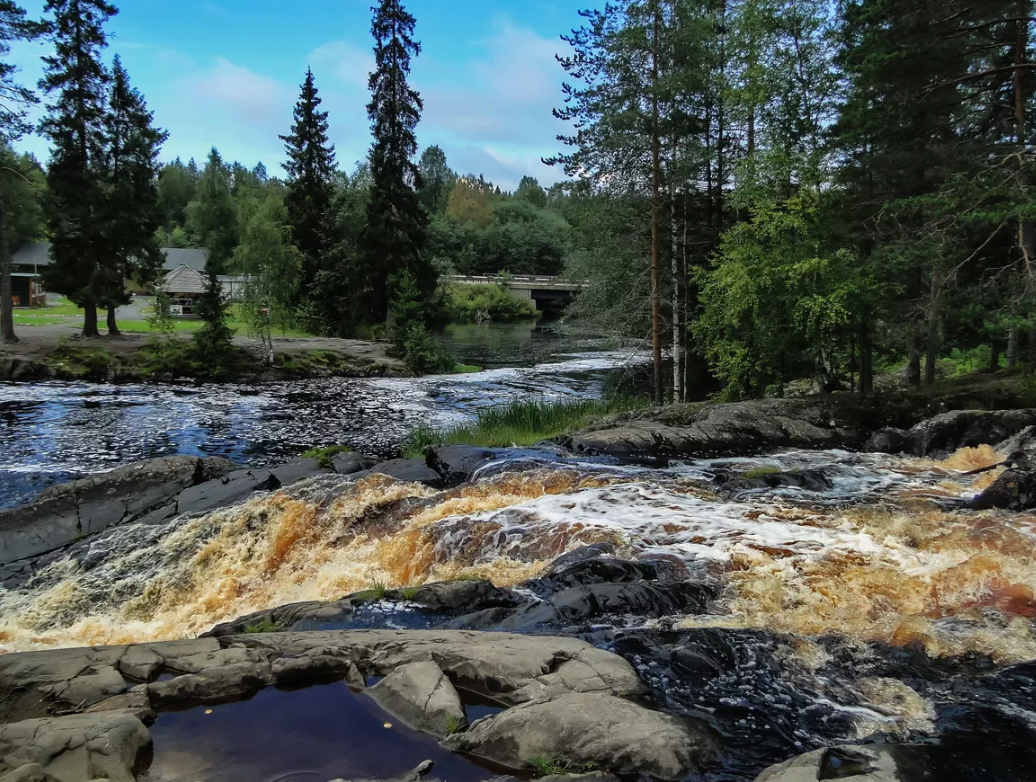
<point>437,181</point>
<point>394,238</point>
<point>76,80</point>
<point>14,100</point>
<point>311,169</point>
<point>212,218</point>
<point>131,145</point>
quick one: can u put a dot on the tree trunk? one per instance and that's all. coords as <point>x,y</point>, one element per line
<point>994,356</point>
<point>113,327</point>
<point>90,321</point>
<point>1026,229</point>
<point>1012,349</point>
<point>866,363</point>
<point>656,208</point>
<point>6,293</point>
<point>678,357</point>
<point>914,361</point>
<point>1032,351</point>
<point>931,352</point>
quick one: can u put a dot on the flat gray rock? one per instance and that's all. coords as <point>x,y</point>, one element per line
<point>860,764</point>
<point>78,748</point>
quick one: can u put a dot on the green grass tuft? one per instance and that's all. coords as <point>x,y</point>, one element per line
<point>265,626</point>
<point>522,422</point>
<point>544,766</point>
<point>325,454</point>
<point>409,593</point>
<point>454,725</point>
<point>466,369</point>
<point>762,472</point>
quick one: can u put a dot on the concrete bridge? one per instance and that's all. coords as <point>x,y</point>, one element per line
<point>542,291</point>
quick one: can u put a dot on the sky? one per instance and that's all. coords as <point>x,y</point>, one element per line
<point>226,73</point>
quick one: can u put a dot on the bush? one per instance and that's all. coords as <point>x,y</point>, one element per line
<point>423,355</point>
<point>483,303</point>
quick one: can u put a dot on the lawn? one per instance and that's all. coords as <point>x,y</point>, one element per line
<point>65,313</point>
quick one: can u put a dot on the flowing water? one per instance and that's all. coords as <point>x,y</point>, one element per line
<point>54,432</point>
<point>872,603</point>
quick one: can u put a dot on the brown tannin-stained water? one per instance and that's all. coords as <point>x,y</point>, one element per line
<point>312,735</point>
<point>875,553</point>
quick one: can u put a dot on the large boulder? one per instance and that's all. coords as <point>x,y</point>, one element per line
<point>590,731</point>
<point>966,429</point>
<point>69,512</point>
<point>309,615</point>
<point>463,596</point>
<point>422,697</point>
<point>738,428</point>
<point>584,603</point>
<point>1014,490</point>
<point>406,470</point>
<point>457,464</point>
<point>77,748</point>
<point>862,764</point>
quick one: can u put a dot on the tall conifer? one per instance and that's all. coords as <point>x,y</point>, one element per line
<point>131,146</point>
<point>311,169</point>
<point>14,99</point>
<point>394,238</point>
<point>76,80</point>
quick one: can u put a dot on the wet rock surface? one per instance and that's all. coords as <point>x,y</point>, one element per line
<point>69,512</point>
<point>742,427</point>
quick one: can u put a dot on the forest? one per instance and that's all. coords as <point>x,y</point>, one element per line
<point>757,191</point>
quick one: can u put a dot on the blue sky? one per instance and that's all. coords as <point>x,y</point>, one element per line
<point>226,73</point>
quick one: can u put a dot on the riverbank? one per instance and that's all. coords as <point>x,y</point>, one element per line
<point>779,600</point>
<point>52,353</point>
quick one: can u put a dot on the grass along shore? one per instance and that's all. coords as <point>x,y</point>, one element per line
<point>521,422</point>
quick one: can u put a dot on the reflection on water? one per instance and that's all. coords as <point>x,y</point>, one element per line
<point>319,734</point>
<point>52,432</point>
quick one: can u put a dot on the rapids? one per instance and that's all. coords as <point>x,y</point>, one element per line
<point>55,432</point>
<point>884,553</point>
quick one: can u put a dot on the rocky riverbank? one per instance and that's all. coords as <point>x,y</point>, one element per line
<point>42,355</point>
<point>663,604</point>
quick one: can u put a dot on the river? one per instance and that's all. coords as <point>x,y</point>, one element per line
<point>54,432</point>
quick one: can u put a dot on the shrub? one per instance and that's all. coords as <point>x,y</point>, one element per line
<point>482,303</point>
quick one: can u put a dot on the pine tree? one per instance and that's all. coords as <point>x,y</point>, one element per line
<point>212,218</point>
<point>395,235</point>
<point>14,100</point>
<point>131,146</point>
<point>311,169</point>
<point>76,80</point>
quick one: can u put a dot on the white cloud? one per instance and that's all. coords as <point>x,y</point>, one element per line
<point>496,111</point>
<point>351,64</point>
<point>237,90</point>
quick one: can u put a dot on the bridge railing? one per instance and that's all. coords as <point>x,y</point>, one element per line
<point>525,279</point>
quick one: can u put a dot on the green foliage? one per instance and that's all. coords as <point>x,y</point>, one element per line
<point>544,766</point>
<point>521,422</point>
<point>487,303</point>
<point>272,266</point>
<point>761,472</point>
<point>376,591</point>
<point>409,593</point>
<point>423,354</point>
<point>310,193</point>
<point>81,360</point>
<point>212,342</point>
<point>779,303</point>
<point>212,217</point>
<point>394,237</point>
<point>326,453</point>
<point>159,317</point>
<point>263,626</point>
<point>454,725</point>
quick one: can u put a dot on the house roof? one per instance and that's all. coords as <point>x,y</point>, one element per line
<point>38,254</point>
<point>184,279</point>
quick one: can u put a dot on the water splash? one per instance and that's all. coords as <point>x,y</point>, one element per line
<point>866,558</point>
